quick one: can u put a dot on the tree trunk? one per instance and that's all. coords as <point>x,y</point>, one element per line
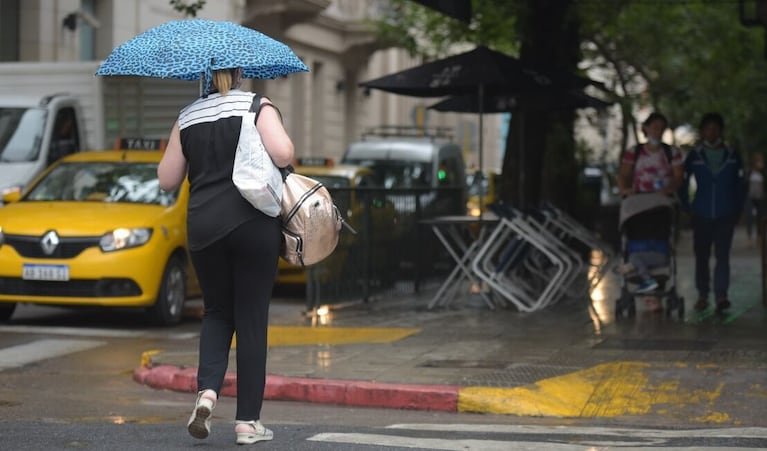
<point>539,162</point>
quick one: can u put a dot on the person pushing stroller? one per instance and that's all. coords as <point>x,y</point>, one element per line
<point>650,167</point>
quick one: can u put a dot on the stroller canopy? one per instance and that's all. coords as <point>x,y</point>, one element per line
<point>641,203</point>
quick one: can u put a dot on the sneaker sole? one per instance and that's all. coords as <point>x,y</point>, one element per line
<point>249,439</point>
<point>199,427</point>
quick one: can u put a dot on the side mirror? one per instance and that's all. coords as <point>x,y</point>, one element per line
<point>12,196</point>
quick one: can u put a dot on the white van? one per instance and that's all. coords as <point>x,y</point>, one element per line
<point>35,131</point>
<point>414,158</point>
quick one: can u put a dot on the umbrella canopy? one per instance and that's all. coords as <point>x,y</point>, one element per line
<point>503,103</point>
<point>466,72</point>
<point>457,9</point>
<point>189,49</point>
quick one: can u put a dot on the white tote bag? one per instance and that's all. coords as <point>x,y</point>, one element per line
<point>255,174</point>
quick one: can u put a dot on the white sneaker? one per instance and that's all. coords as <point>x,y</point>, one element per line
<point>647,286</point>
<point>199,422</point>
<point>257,432</point>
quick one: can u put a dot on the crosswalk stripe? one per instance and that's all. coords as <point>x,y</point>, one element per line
<point>21,355</point>
<point>431,443</point>
<point>745,432</point>
<point>93,332</point>
<point>584,438</point>
<point>491,445</point>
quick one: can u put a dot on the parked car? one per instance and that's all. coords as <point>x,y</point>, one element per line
<point>415,164</point>
<point>95,229</point>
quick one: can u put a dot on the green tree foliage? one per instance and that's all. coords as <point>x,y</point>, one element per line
<point>684,58</point>
<point>189,9</point>
<point>540,32</point>
<point>429,34</point>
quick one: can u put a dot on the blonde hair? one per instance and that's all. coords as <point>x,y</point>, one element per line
<point>226,79</point>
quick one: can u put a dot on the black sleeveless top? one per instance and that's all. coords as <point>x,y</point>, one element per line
<point>210,129</point>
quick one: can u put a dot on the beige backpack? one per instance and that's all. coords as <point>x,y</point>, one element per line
<point>311,222</point>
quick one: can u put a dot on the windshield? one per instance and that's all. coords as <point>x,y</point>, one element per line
<point>332,181</point>
<point>21,132</point>
<point>398,174</point>
<point>103,182</point>
<point>478,183</point>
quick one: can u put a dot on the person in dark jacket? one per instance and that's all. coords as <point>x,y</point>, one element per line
<point>715,208</point>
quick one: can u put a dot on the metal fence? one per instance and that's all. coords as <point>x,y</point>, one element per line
<point>392,252</point>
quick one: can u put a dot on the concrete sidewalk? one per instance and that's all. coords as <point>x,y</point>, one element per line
<point>571,360</point>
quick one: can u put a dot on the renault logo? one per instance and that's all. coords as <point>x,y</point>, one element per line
<point>49,242</point>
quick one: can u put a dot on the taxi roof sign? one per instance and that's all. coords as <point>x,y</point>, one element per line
<point>140,144</point>
<point>314,161</point>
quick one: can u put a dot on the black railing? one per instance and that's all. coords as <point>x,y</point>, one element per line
<point>392,251</point>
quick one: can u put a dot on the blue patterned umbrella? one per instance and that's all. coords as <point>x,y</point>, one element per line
<point>192,48</point>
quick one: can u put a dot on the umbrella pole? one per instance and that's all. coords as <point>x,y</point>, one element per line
<point>481,142</point>
<point>521,168</point>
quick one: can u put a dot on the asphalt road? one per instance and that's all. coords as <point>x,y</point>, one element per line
<point>66,383</point>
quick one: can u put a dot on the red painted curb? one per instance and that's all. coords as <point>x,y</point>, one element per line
<point>329,391</point>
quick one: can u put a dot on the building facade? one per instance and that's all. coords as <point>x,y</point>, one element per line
<point>324,109</point>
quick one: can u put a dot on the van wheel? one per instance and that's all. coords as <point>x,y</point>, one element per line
<point>170,300</point>
<point>6,311</point>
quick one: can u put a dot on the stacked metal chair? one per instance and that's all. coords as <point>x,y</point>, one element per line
<point>535,258</point>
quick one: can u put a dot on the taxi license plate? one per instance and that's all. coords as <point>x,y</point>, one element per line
<point>45,272</point>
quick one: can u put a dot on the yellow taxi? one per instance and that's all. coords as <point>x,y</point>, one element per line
<point>95,229</point>
<point>343,182</point>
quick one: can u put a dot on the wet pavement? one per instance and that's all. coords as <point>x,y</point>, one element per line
<point>571,360</point>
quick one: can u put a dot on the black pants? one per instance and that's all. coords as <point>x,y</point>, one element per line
<point>236,275</point>
<point>718,233</point>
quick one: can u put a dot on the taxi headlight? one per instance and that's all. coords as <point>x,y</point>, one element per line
<point>124,239</point>
<point>2,237</point>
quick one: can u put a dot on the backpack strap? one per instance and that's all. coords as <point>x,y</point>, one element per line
<point>666,149</point>
<point>256,106</point>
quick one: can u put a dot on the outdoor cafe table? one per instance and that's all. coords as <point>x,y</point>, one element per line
<point>462,237</point>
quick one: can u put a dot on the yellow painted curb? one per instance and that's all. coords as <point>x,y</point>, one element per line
<point>146,357</point>
<point>305,335</point>
<point>604,391</point>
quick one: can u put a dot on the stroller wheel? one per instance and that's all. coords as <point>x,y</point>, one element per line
<point>680,308</point>
<point>618,309</point>
<point>671,305</point>
<point>625,306</point>
<point>675,302</point>
<point>632,309</point>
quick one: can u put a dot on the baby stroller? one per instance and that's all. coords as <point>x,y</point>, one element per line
<point>648,220</point>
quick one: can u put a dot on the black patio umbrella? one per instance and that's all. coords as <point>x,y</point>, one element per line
<point>494,102</point>
<point>504,103</point>
<point>473,73</point>
<point>466,72</point>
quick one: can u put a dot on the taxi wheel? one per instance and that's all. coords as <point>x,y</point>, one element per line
<point>170,300</point>
<point>6,311</point>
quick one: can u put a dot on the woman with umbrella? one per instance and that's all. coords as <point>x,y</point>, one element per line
<point>234,247</point>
